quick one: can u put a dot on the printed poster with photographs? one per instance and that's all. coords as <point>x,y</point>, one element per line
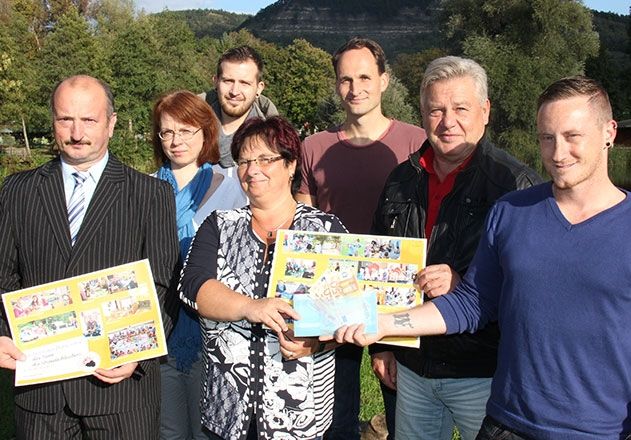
<point>335,279</point>
<point>71,327</point>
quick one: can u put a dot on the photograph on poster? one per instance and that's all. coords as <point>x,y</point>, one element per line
<point>386,272</point>
<point>342,265</point>
<point>301,242</point>
<point>107,285</point>
<point>287,290</point>
<point>49,326</point>
<point>41,302</point>
<point>300,268</point>
<point>91,324</point>
<point>134,339</point>
<point>123,307</point>
<point>119,282</point>
<point>371,247</point>
<point>393,296</point>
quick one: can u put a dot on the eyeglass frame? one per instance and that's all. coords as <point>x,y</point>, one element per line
<point>171,134</point>
<point>261,161</point>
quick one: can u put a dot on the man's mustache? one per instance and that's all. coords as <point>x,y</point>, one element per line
<point>80,142</point>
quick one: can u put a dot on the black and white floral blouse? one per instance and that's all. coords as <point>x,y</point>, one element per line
<point>246,375</point>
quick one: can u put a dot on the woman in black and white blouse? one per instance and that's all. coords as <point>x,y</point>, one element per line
<point>259,383</point>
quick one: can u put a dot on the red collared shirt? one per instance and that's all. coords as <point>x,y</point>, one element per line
<point>437,190</point>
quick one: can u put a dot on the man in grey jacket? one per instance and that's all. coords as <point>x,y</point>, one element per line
<point>236,98</point>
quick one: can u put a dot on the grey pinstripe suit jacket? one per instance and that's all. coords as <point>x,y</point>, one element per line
<point>131,216</point>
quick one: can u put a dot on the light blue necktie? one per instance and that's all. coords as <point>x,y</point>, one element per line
<point>76,206</point>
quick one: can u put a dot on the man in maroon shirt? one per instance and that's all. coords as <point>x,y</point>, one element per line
<point>343,172</point>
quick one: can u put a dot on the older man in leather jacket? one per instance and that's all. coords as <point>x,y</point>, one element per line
<point>443,193</point>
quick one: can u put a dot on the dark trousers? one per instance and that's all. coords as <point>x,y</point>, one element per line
<point>252,432</point>
<point>139,424</point>
<point>345,425</point>
<point>493,430</point>
<point>390,406</point>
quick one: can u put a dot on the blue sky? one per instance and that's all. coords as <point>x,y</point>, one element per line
<point>244,6</point>
<point>253,6</point>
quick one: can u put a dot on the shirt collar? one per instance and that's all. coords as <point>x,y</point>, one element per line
<point>94,172</point>
<point>426,161</point>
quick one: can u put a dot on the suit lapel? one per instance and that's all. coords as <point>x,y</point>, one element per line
<point>53,201</point>
<point>105,196</point>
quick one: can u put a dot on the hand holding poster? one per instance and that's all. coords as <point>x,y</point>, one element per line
<point>336,279</point>
<point>71,327</point>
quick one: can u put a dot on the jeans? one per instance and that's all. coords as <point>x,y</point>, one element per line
<point>345,424</point>
<point>427,409</point>
<point>493,430</point>
<point>180,418</point>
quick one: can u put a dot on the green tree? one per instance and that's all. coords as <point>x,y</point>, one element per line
<point>613,74</point>
<point>36,17</point>
<point>112,16</point>
<point>180,64</point>
<point>59,8</point>
<point>136,67</point>
<point>69,49</point>
<point>16,72</point>
<point>409,68</point>
<point>524,45</point>
<point>395,102</point>
<point>300,77</point>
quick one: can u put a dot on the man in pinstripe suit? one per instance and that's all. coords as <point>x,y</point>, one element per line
<point>128,216</point>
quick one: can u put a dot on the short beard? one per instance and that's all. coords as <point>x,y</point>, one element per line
<point>235,112</point>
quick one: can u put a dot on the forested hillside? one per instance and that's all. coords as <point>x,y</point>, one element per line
<point>209,22</point>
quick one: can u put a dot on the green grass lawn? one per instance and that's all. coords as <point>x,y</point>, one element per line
<point>371,401</point>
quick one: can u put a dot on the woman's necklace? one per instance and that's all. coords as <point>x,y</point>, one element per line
<point>269,233</point>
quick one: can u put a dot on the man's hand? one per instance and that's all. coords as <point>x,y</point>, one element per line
<point>117,374</point>
<point>384,365</point>
<point>9,353</point>
<point>353,334</point>
<point>437,280</point>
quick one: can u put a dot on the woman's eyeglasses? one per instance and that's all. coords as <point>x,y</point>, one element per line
<point>261,161</point>
<point>184,134</point>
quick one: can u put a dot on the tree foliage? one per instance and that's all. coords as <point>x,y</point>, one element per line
<point>395,101</point>
<point>524,45</point>
<point>301,75</point>
<point>409,68</point>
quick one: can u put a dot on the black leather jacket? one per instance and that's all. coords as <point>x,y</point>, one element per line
<point>401,211</point>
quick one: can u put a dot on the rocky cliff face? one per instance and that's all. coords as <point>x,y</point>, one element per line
<point>399,26</point>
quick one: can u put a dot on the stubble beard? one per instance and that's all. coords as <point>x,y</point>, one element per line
<point>235,112</point>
